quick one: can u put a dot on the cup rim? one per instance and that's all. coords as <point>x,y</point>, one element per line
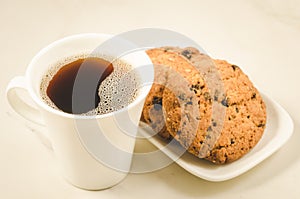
<point>46,107</point>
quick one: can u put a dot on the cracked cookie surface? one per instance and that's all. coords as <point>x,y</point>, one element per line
<point>183,104</point>
<point>245,118</point>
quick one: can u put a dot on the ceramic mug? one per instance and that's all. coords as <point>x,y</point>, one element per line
<point>94,152</point>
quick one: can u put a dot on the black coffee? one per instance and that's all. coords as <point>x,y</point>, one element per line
<point>89,85</point>
<point>74,88</point>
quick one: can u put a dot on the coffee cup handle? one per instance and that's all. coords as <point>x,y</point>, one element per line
<point>27,111</point>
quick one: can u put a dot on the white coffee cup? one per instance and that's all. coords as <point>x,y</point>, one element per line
<point>78,152</point>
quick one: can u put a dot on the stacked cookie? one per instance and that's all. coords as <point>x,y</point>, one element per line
<point>209,106</point>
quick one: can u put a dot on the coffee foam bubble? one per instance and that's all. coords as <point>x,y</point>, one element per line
<point>117,91</point>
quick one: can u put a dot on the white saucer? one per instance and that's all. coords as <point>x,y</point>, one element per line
<point>278,130</point>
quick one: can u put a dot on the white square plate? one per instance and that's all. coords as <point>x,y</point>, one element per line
<point>278,130</point>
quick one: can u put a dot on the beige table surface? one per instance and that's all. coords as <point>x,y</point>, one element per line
<point>263,37</point>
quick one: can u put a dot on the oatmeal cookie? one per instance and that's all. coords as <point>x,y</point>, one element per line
<point>209,106</point>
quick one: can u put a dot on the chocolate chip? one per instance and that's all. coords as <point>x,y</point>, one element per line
<point>232,141</point>
<point>196,86</point>
<point>224,102</point>
<point>219,147</point>
<point>157,100</point>
<point>209,128</point>
<point>248,116</point>
<point>215,98</point>
<point>189,103</point>
<point>181,96</point>
<point>214,123</point>
<point>261,125</point>
<point>214,156</point>
<point>187,54</point>
<point>236,109</point>
<point>253,96</point>
<point>234,67</point>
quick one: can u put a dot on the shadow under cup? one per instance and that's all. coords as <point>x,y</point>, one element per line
<point>94,152</point>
